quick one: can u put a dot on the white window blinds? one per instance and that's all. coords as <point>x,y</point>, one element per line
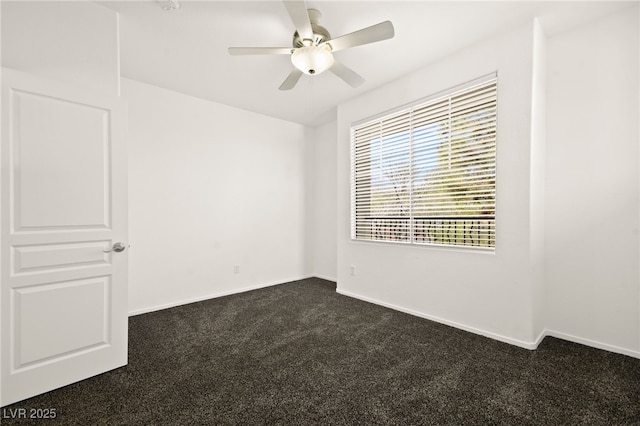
<point>426,174</point>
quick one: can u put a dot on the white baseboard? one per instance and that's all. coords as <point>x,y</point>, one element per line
<point>520,343</point>
<point>592,343</point>
<point>212,296</point>
<point>325,277</point>
<point>501,338</point>
<point>526,345</point>
<point>539,339</point>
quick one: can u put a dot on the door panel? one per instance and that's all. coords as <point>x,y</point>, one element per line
<point>54,142</point>
<point>41,311</point>
<point>63,295</point>
<point>53,256</point>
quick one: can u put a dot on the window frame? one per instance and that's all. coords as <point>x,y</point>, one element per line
<point>408,110</point>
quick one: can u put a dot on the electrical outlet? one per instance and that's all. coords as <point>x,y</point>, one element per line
<point>236,269</point>
<point>353,270</point>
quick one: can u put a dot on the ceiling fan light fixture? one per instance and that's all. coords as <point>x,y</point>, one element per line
<point>312,60</point>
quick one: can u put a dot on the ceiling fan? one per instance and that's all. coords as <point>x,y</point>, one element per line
<point>313,46</point>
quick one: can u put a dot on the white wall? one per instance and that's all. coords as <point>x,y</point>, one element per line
<point>487,293</point>
<point>324,224</point>
<point>73,42</point>
<point>210,187</point>
<point>592,244</point>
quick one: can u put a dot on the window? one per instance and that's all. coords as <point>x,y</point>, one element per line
<point>426,174</point>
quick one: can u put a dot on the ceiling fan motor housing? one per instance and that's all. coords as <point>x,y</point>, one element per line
<point>320,33</point>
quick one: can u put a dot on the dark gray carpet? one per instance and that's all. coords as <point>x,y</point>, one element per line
<point>300,354</point>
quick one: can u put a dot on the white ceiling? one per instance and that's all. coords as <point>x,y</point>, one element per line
<point>186,50</point>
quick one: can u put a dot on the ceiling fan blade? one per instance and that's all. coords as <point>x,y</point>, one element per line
<point>382,31</point>
<point>298,12</point>
<point>351,77</point>
<point>290,82</point>
<point>259,51</point>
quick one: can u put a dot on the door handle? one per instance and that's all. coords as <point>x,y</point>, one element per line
<point>117,247</point>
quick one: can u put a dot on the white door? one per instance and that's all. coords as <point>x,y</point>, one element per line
<point>63,205</point>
